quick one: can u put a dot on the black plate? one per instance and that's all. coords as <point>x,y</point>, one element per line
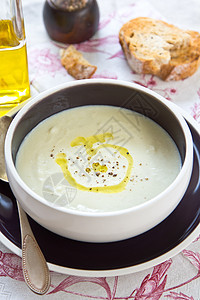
<point>76,255</point>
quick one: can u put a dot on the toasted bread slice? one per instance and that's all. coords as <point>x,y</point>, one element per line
<point>75,64</point>
<point>158,48</point>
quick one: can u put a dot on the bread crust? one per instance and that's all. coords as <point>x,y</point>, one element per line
<point>75,64</point>
<point>156,47</point>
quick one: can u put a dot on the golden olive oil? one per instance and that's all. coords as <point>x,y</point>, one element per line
<point>88,142</point>
<point>14,80</point>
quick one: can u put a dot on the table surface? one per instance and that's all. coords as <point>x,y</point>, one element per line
<point>179,276</point>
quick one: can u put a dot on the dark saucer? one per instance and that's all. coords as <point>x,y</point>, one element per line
<point>76,255</point>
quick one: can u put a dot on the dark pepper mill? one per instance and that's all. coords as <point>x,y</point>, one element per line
<point>71,21</point>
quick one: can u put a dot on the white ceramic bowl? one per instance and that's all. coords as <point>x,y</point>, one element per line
<point>108,226</point>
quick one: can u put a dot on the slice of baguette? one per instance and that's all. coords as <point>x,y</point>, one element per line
<point>156,47</point>
<point>75,64</point>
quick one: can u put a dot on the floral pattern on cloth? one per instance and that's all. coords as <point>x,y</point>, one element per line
<point>177,278</point>
<point>152,286</point>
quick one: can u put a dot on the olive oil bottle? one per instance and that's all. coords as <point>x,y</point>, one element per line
<point>14,80</point>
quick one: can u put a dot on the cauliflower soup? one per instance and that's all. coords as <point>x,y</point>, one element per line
<point>98,158</point>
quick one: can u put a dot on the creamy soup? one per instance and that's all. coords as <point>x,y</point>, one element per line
<point>98,158</point>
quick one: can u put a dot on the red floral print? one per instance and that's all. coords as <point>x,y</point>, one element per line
<point>11,266</point>
<point>194,258</point>
<point>179,296</point>
<point>152,287</point>
<point>71,280</point>
<point>44,60</point>
<point>97,45</point>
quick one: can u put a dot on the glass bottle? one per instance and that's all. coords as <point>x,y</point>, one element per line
<point>14,80</point>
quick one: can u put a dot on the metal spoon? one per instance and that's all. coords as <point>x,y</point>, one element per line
<point>35,269</point>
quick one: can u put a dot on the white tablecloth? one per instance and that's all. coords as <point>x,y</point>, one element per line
<point>177,278</point>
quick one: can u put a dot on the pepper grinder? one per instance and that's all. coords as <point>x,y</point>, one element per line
<point>70,21</point>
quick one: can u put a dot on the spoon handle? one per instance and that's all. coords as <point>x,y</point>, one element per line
<point>35,269</point>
